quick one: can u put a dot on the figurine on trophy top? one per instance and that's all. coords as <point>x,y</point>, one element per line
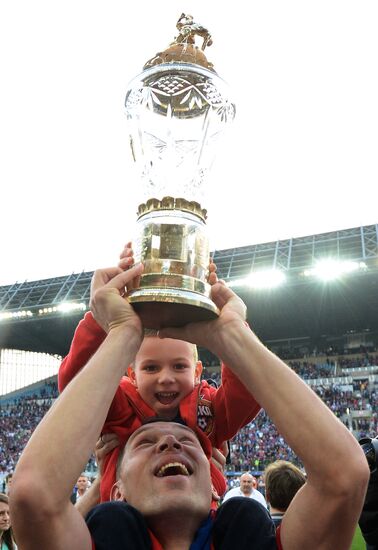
<point>183,48</point>
<point>177,110</point>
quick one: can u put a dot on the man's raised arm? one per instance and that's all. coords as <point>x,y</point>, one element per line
<point>43,516</point>
<point>324,513</point>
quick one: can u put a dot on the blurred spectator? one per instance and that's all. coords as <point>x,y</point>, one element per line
<point>246,489</point>
<point>81,487</point>
<point>6,534</point>
<point>282,481</point>
<point>8,483</point>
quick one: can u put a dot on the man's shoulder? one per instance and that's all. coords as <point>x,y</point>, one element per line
<point>258,495</point>
<point>234,491</point>
<point>243,523</point>
<point>117,525</point>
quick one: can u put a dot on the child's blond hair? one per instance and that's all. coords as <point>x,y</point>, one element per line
<point>152,333</point>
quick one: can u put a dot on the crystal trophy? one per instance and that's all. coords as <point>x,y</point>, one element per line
<point>177,111</point>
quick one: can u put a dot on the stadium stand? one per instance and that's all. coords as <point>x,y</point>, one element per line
<point>326,331</point>
<point>352,398</point>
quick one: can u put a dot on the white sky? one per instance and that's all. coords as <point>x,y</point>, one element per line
<point>302,152</point>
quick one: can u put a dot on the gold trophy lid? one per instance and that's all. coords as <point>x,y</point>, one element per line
<point>183,48</point>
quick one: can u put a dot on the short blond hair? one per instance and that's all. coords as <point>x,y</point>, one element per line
<point>152,333</point>
<point>282,481</point>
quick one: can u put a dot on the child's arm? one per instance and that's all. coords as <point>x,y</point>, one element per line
<point>87,339</point>
<point>88,336</point>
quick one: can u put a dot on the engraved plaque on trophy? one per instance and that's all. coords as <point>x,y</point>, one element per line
<point>177,110</point>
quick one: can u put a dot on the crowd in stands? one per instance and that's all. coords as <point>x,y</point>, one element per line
<point>366,360</point>
<point>19,418</point>
<point>258,444</point>
<point>17,422</point>
<point>252,449</point>
<point>308,370</point>
<point>327,351</point>
<point>49,390</point>
<point>305,369</point>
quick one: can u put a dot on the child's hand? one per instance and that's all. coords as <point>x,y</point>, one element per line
<point>218,457</point>
<point>106,443</point>
<point>212,277</point>
<point>126,258</point>
<point>126,261</point>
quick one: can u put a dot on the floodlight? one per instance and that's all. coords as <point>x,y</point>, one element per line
<point>237,283</point>
<point>261,279</point>
<point>330,269</point>
<point>64,307</point>
<point>267,279</point>
<point>15,314</point>
<point>67,307</point>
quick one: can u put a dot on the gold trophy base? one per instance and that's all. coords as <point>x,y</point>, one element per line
<point>171,243</point>
<point>159,308</point>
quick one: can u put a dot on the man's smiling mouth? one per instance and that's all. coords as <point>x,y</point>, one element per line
<point>173,469</point>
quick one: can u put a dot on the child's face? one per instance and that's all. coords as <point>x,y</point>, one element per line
<point>165,372</point>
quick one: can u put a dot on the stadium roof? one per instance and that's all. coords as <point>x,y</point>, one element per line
<point>36,315</point>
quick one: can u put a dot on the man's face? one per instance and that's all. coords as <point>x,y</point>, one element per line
<point>246,484</point>
<point>164,373</point>
<point>165,470</point>
<point>82,483</point>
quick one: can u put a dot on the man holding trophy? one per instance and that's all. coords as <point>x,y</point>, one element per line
<point>176,110</point>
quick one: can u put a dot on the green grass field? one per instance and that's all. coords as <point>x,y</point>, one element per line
<point>358,541</point>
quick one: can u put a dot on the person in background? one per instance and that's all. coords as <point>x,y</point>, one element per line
<point>282,481</point>
<point>369,516</point>
<point>6,534</point>
<point>8,482</point>
<point>81,487</point>
<point>246,489</point>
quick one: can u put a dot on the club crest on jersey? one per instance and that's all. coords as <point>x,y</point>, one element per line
<point>205,415</point>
